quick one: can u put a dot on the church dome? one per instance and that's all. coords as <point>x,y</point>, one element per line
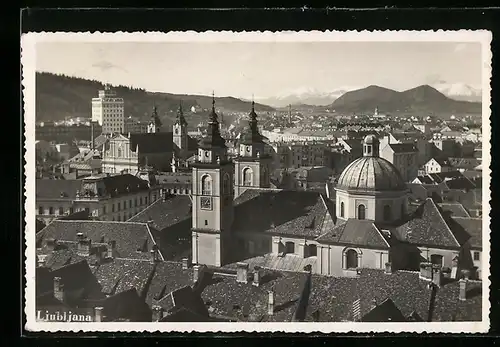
<point>370,172</point>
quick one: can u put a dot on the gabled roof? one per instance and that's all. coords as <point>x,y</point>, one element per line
<point>298,213</point>
<point>124,184</point>
<point>454,209</point>
<point>428,227</point>
<point>384,312</point>
<point>464,163</point>
<point>440,161</point>
<point>47,189</point>
<point>473,227</point>
<point>129,237</point>
<point>425,179</point>
<point>355,232</point>
<point>403,147</point>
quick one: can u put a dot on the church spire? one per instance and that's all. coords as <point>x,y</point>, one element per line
<point>251,134</point>
<point>155,123</point>
<point>213,137</point>
<point>180,115</point>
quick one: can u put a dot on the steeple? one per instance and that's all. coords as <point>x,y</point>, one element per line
<point>212,137</point>
<point>180,116</point>
<point>251,133</point>
<point>154,125</point>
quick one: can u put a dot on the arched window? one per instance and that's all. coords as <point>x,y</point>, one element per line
<point>361,211</point>
<point>247,176</point>
<point>387,213</point>
<point>206,185</point>
<point>226,184</point>
<point>290,247</point>
<point>351,259</point>
<point>342,209</point>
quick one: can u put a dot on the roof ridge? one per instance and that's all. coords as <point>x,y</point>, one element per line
<point>380,234</point>
<point>444,221</point>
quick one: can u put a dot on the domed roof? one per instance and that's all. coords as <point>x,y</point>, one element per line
<point>370,173</point>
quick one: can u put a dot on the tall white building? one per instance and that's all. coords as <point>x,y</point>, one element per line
<point>108,111</point>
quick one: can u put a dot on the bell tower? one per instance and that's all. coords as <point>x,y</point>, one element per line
<point>154,124</point>
<point>253,164</point>
<point>212,194</point>
<point>180,135</point>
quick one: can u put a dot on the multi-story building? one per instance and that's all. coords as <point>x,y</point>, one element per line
<point>133,125</point>
<point>111,198</point>
<point>436,165</point>
<point>404,157</point>
<point>49,131</point>
<point>108,111</point>
<point>297,154</point>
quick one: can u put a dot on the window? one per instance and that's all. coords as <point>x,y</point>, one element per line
<point>113,208</point>
<point>206,221</point>
<point>135,202</point>
<point>71,210</point>
<point>247,176</point>
<point>51,210</point>
<point>226,185</point>
<point>351,259</point>
<point>206,185</point>
<point>342,209</point>
<point>387,213</point>
<point>104,210</point>
<point>437,259</point>
<point>61,211</point>
<point>290,247</point>
<point>476,256</point>
<point>140,201</point>
<point>119,206</point>
<point>312,251</point>
<point>125,205</point>
<point>361,211</point>
<point>40,210</point>
<point>130,203</point>
<point>154,197</point>
<point>146,200</point>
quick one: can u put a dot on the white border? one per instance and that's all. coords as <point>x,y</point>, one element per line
<point>28,60</point>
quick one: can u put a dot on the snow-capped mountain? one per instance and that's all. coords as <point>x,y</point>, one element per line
<point>460,91</point>
<point>307,96</point>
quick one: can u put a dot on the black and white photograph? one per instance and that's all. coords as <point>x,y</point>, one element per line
<point>321,181</point>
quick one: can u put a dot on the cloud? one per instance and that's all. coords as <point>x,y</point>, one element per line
<point>460,47</point>
<point>106,65</point>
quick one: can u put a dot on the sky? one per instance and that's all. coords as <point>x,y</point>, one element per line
<point>263,69</point>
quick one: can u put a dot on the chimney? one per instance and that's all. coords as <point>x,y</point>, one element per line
<point>256,276</point>
<point>79,236</point>
<point>154,255</point>
<point>437,275</point>
<point>111,249</point>
<point>40,261</point>
<point>426,271</point>
<point>83,248</point>
<point>98,314</point>
<point>196,273</point>
<point>58,289</point>
<point>185,263</point>
<point>270,304</point>
<point>51,244</point>
<point>157,313</point>
<point>388,268</point>
<point>242,273</point>
<point>462,295</point>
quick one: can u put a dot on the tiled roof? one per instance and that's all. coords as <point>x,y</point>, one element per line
<point>126,305</point>
<point>355,232</point>
<point>57,189</point>
<point>100,140</point>
<point>288,262</point>
<point>124,184</point>
<point>403,147</point>
<point>120,275</point>
<point>464,163</point>
<point>473,226</point>
<point>171,221</point>
<point>425,179</point>
<point>418,191</point>
<point>454,209</point>
<point>129,237</point>
<point>152,142</point>
<point>459,183</point>
<point>428,227</point>
<point>174,178</point>
<point>298,213</point>
<point>79,215</point>
<point>384,312</point>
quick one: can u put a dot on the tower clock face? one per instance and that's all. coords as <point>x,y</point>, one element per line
<point>206,203</point>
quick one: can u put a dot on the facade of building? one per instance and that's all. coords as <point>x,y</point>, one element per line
<point>404,156</point>
<point>108,111</point>
<point>111,198</point>
<point>437,165</point>
<point>133,126</point>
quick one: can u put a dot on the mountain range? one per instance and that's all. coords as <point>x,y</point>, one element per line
<point>313,96</point>
<point>59,97</point>
<point>423,99</point>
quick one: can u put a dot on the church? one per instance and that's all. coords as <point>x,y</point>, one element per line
<point>237,217</point>
<point>129,153</point>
